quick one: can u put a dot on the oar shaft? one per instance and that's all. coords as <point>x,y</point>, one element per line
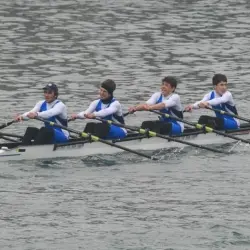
<point>8,139</point>
<point>229,114</point>
<point>96,139</point>
<point>154,134</point>
<point>7,124</point>
<point>200,126</point>
<point>11,135</point>
<point>125,114</point>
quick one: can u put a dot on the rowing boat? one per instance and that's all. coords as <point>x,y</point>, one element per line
<point>80,147</point>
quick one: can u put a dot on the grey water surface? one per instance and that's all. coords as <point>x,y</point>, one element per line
<point>191,199</point>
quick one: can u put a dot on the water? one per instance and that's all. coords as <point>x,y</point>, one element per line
<point>190,200</point>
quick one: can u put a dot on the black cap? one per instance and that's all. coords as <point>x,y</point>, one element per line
<point>109,85</point>
<point>52,87</point>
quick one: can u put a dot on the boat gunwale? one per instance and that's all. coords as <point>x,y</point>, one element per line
<point>135,136</point>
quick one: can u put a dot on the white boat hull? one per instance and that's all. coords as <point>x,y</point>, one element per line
<point>97,148</point>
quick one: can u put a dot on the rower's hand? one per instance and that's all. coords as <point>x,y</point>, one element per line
<point>203,104</point>
<point>132,110</point>
<point>90,116</point>
<point>73,117</point>
<point>189,108</point>
<point>18,118</point>
<point>32,115</point>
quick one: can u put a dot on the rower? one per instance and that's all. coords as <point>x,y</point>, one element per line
<point>108,108</point>
<point>220,98</point>
<point>50,109</point>
<point>168,102</point>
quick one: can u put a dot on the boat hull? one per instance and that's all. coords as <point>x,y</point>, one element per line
<point>96,148</point>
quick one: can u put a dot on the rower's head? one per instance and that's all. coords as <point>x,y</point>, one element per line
<point>107,89</point>
<point>50,92</point>
<point>220,83</point>
<point>168,85</point>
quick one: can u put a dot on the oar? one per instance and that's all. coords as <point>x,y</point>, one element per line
<point>96,139</point>
<point>9,139</point>
<point>124,115</point>
<point>154,134</point>
<point>4,125</point>
<point>200,126</point>
<point>229,114</point>
<point>11,135</point>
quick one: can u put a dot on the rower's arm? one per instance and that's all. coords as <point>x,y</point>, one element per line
<point>157,106</point>
<point>225,98</point>
<point>171,102</point>
<point>90,109</point>
<point>58,109</point>
<point>205,99</point>
<point>34,110</point>
<point>112,109</point>
<point>153,99</point>
<point>140,107</point>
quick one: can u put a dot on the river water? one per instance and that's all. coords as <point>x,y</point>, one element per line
<point>192,199</point>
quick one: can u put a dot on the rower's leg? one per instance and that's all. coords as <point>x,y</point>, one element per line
<point>115,132</point>
<point>98,129</point>
<point>59,136</point>
<point>152,125</point>
<point>164,128</point>
<point>160,127</point>
<point>212,122</point>
<point>45,136</point>
<point>230,123</point>
<point>89,128</point>
<point>175,129</point>
<point>30,134</point>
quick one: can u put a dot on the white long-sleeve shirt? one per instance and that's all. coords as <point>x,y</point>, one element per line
<point>171,101</point>
<point>217,100</point>
<point>53,109</point>
<point>113,108</point>
<point>106,109</point>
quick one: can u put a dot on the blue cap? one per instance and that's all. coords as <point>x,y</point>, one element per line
<point>52,87</point>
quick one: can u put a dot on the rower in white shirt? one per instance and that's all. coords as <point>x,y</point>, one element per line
<point>167,101</point>
<point>219,98</point>
<point>50,109</point>
<point>108,108</point>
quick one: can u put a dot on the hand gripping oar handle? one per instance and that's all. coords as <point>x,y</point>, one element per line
<point>200,126</point>
<point>229,114</point>
<point>95,138</point>
<point>4,125</point>
<point>124,115</point>
<point>154,134</point>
